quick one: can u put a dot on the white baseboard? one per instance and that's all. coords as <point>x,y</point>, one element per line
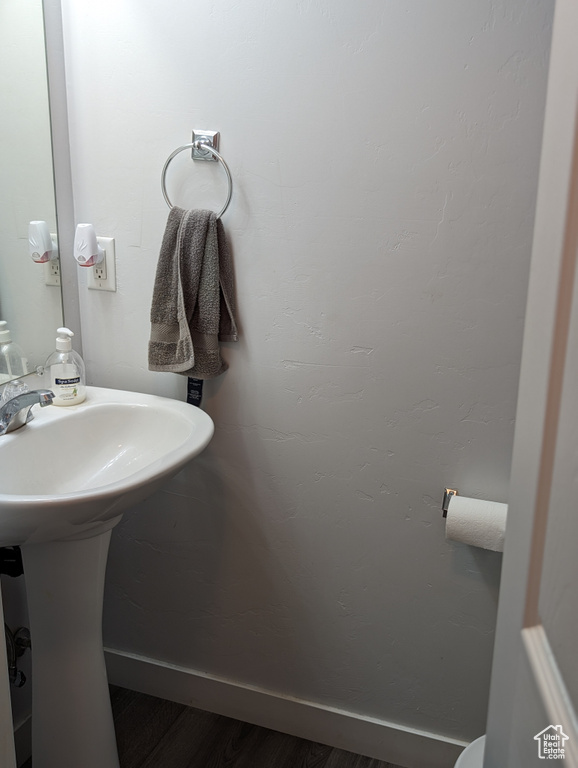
<point>380,739</point>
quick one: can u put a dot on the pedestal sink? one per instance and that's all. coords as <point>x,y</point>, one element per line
<point>65,479</point>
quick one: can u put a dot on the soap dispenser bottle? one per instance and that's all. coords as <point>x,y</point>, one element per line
<point>65,371</point>
<point>13,364</point>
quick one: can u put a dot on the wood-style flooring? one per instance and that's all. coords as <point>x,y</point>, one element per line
<point>153,733</point>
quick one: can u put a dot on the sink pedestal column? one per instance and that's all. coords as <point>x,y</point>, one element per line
<point>72,722</point>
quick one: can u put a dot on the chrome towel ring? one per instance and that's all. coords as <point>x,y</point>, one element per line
<point>202,145</point>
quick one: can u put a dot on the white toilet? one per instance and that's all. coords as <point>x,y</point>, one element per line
<point>473,754</point>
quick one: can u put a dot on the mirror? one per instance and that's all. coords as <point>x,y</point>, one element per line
<point>30,294</point>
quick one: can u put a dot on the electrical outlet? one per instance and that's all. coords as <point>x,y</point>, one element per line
<point>103,276</point>
<point>100,270</point>
<point>52,272</point>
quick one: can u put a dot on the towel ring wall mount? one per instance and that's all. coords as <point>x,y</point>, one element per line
<point>204,142</point>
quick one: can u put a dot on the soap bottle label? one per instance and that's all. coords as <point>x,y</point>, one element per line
<point>66,384</point>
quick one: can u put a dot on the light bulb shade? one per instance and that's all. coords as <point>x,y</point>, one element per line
<point>41,244</point>
<point>87,251</point>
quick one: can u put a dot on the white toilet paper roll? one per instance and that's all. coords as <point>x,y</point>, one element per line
<point>476,522</point>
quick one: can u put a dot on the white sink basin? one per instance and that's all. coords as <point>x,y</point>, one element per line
<point>72,469</point>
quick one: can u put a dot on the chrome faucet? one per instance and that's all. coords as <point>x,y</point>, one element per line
<point>15,413</point>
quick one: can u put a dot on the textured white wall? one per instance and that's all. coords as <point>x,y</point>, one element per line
<point>384,157</point>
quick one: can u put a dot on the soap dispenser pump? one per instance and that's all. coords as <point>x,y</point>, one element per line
<point>65,371</point>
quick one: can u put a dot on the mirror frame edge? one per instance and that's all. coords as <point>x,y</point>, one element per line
<point>55,64</point>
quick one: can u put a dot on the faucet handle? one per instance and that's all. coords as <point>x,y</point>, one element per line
<point>12,389</point>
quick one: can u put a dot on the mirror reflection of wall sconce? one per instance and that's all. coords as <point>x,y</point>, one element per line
<point>87,251</point>
<point>42,245</point>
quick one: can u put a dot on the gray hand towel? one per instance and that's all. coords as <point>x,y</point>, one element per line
<point>193,298</point>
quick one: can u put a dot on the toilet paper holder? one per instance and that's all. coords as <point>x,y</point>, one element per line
<point>448,493</point>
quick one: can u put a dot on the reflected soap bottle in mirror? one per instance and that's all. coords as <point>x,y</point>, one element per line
<point>12,361</point>
<point>65,371</point>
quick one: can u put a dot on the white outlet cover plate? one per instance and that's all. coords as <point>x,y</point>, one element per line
<point>93,282</point>
<point>52,272</point>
